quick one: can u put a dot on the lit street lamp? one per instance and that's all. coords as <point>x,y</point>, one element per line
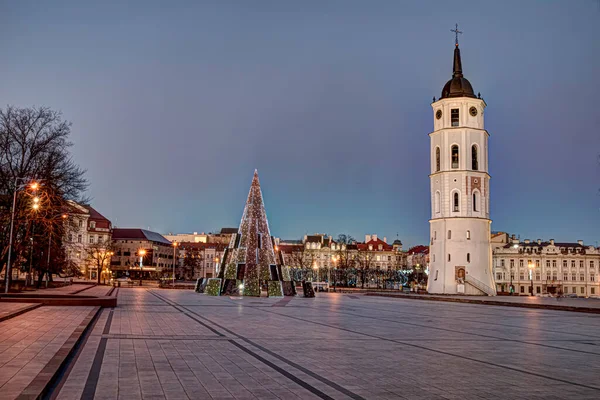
<point>142,253</point>
<point>34,186</point>
<point>530,266</point>
<point>175,244</point>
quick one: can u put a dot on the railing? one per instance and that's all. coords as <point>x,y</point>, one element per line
<point>477,284</point>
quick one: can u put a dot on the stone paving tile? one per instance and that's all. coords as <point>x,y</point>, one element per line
<point>342,347</point>
<point>29,341</point>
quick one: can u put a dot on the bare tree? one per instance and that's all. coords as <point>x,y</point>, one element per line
<point>34,146</point>
<point>364,260</point>
<point>99,255</point>
<point>301,259</point>
<point>345,258</point>
<point>191,261</point>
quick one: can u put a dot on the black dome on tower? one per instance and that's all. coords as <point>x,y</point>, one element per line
<point>458,86</point>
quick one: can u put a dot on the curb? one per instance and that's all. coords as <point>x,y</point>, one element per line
<point>20,311</point>
<point>587,310</point>
<point>45,379</point>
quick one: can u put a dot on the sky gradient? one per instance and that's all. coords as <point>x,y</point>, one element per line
<point>174,106</point>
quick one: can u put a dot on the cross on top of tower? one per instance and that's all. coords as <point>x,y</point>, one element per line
<point>456,32</point>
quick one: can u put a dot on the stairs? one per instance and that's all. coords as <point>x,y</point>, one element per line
<point>477,284</point>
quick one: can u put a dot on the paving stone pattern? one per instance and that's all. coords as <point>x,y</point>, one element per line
<point>176,344</point>
<point>29,342</point>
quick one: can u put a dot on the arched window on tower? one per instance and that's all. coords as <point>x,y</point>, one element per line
<point>475,201</point>
<point>437,202</point>
<point>437,159</point>
<point>455,201</point>
<point>474,158</point>
<point>454,155</point>
<point>468,257</point>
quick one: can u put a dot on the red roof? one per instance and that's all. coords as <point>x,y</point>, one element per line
<point>375,243</point>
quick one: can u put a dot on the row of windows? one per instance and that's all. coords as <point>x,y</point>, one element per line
<point>538,290</point>
<point>91,239</point>
<point>537,263</point>
<point>455,158</point>
<point>468,235</point>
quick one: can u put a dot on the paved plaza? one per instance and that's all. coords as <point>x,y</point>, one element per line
<point>177,344</point>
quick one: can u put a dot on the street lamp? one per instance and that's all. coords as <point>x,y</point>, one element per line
<point>142,253</point>
<point>175,244</point>
<point>316,268</point>
<point>531,266</point>
<point>34,186</point>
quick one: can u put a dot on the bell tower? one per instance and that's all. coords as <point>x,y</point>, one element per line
<point>460,254</point>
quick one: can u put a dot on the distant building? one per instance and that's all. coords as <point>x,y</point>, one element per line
<point>86,231</point>
<point>208,255</point>
<point>132,245</point>
<point>222,237</point>
<point>567,267</point>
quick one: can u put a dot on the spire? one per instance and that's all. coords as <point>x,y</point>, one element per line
<point>457,68</point>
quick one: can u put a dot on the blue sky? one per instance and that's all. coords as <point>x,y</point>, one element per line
<point>174,105</point>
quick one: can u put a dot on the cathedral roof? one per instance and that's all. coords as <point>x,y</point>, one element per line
<point>458,86</point>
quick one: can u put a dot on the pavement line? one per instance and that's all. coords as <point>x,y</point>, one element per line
<point>282,371</point>
<point>20,311</point>
<point>285,360</point>
<point>91,383</point>
<point>420,325</point>
<point>441,352</point>
<point>288,375</point>
<point>45,379</point>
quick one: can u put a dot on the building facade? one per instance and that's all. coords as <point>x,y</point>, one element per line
<point>86,233</point>
<point>140,254</point>
<point>547,267</point>
<point>204,257</point>
<point>460,227</point>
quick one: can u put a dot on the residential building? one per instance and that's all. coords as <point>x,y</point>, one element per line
<point>553,267</point>
<point>224,236</point>
<point>140,254</point>
<point>87,230</point>
<point>208,258</point>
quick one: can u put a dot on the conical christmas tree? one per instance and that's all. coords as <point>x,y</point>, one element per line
<point>249,258</point>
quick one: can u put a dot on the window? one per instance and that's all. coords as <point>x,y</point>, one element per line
<point>537,263</point>
<point>437,202</point>
<point>592,278</point>
<point>475,200</point>
<point>582,290</point>
<point>468,235</point>
<point>565,277</point>
<point>455,202</point>
<point>70,237</point>
<point>572,263</point>
<point>547,263</point>
<point>80,223</point>
<point>449,234</point>
<point>434,235</point>
<point>454,116</point>
<point>79,239</point>
<point>438,160</point>
<point>498,277</point>
<point>581,277</point>
<point>100,238</point>
<point>436,276</point>
<point>512,263</point>
<point>581,264</point>
<point>92,224</point>
<point>522,289</point>
<point>468,257</point>
<point>454,155</point>
<point>591,265</point>
<point>434,258</point>
<point>521,263</point>
<point>474,158</point>
<point>553,263</point>
<point>502,263</point>
<point>448,256</point>
<point>564,263</point>
<point>91,239</point>
<point>537,289</point>
<point>566,289</point>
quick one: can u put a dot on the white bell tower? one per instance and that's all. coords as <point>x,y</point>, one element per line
<point>460,253</point>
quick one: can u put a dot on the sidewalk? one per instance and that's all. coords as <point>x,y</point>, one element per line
<point>547,303</point>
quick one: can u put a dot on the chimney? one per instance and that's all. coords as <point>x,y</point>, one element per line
<point>552,242</point>
<point>330,238</point>
<point>526,241</point>
<point>580,242</point>
<point>374,237</point>
<point>195,233</point>
<point>367,238</point>
<point>385,239</point>
<point>539,241</point>
<point>514,236</point>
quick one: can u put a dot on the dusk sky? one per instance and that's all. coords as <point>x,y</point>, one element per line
<point>174,104</point>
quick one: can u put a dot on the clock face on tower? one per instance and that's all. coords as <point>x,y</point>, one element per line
<point>473,111</point>
<point>438,114</point>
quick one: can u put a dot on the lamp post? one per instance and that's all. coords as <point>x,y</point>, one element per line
<point>316,269</point>
<point>175,244</point>
<point>142,253</point>
<point>34,186</point>
<point>530,266</point>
